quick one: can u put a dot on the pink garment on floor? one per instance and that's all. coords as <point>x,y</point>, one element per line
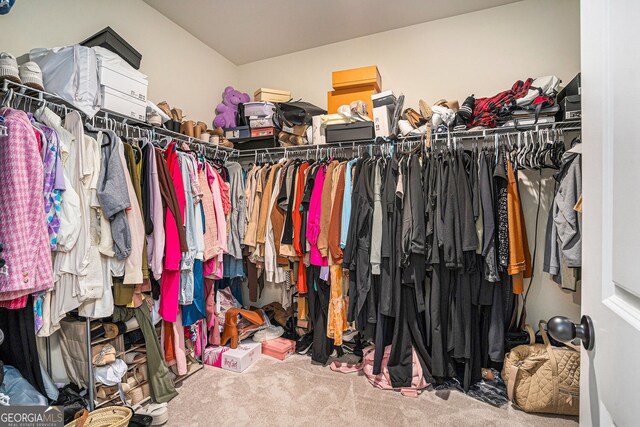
<point>313,224</point>
<point>170,283</point>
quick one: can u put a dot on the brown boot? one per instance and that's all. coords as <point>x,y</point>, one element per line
<point>231,324</point>
<point>187,128</point>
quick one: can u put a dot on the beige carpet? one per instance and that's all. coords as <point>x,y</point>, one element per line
<point>297,393</point>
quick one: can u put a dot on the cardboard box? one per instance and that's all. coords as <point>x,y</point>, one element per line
<point>382,120</point>
<point>337,98</point>
<point>239,359</point>
<point>118,102</point>
<point>368,77</point>
<point>279,348</point>
<point>272,95</point>
<point>118,79</point>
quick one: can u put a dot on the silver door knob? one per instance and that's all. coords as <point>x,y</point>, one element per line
<point>564,330</point>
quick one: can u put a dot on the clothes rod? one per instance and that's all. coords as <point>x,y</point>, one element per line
<point>113,121</point>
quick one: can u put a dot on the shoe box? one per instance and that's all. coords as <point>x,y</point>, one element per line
<point>570,100</point>
<point>382,118</point>
<point>271,95</point>
<point>239,359</point>
<point>117,102</point>
<point>233,359</point>
<point>384,98</point>
<point>356,131</point>
<point>279,348</point>
<point>239,132</point>
<point>357,84</point>
<point>123,91</point>
<point>109,39</point>
<point>262,132</point>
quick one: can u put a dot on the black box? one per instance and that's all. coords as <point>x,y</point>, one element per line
<point>356,131</point>
<point>569,100</point>
<point>109,39</point>
<point>570,108</point>
<point>238,132</point>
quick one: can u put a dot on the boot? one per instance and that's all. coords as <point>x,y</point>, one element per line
<point>231,324</point>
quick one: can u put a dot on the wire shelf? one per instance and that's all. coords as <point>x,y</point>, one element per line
<point>114,121</point>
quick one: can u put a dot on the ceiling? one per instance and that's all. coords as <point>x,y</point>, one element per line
<point>250,30</point>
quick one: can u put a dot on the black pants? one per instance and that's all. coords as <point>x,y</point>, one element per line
<point>318,293</point>
<point>19,346</point>
<point>406,336</point>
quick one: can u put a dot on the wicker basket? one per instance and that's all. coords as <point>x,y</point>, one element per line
<point>113,416</point>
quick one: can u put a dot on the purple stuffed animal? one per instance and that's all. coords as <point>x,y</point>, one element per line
<point>226,111</point>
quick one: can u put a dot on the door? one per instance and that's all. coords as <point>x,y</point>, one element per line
<point>610,373</point>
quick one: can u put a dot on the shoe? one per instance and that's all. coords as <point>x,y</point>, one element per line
<point>9,67</point>
<point>231,324</point>
<point>165,108</point>
<point>198,129</point>
<point>158,411</point>
<point>31,75</point>
<point>176,114</point>
<point>425,109</point>
<point>188,128</point>
<point>304,343</point>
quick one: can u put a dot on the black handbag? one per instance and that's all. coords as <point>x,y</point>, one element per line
<point>296,113</point>
<point>241,119</point>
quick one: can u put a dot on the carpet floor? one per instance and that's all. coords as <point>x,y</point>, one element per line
<point>296,392</point>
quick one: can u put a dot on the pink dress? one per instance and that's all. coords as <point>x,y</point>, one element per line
<point>313,224</point>
<point>170,283</point>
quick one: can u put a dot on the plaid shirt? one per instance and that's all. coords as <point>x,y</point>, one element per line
<point>486,110</point>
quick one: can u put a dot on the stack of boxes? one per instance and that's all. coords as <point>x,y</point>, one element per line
<point>357,84</point>
<point>123,90</point>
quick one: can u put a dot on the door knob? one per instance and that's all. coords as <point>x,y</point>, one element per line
<point>564,330</point>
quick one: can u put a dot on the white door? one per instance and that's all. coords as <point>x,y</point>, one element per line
<point>610,373</point>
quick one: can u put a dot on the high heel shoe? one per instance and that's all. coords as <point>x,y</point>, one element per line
<point>231,324</point>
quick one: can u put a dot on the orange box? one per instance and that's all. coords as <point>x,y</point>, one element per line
<point>337,98</point>
<point>357,78</point>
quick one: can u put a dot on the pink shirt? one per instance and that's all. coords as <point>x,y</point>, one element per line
<point>313,221</point>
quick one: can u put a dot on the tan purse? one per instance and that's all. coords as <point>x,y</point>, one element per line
<point>543,378</point>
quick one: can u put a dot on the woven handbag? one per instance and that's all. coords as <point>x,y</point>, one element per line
<point>113,416</point>
<point>543,378</point>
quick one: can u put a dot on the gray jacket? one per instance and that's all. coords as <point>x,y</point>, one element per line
<point>238,209</point>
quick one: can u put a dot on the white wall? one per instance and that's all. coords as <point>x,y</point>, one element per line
<point>181,69</point>
<point>482,53</point>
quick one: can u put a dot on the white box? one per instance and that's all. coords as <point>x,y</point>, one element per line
<point>239,359</point>
<point>382,120</point>
<point>119,79</point>
<point>118,102</point>
<point>318,136</point>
